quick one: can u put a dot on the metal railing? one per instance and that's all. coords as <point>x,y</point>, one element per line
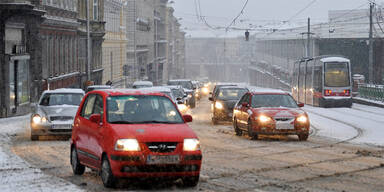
<point>372,92</point>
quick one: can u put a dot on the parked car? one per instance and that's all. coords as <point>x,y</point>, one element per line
<point>98,87</point>
<point>141,84</point>
<point>134,134</point>
<point>188,88</point>
<point>269,112</point>
<point>54,113</point>
<point>225,101</point>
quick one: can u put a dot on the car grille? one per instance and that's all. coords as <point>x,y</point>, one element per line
<point>284,119</point>
<point>162,147</point>
<point>61,118</point>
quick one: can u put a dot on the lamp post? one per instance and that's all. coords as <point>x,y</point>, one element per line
<point>88,46</point>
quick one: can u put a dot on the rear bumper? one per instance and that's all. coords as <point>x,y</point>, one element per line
<point>132,166</point>
<point>330,102</point>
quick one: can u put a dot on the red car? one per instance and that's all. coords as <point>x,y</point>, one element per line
<point>132,133</point>
<point>270,112</point>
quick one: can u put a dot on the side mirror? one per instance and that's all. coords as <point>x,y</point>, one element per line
<point>178,99</point>
<point>244,104</point>
<point>211,99</point>
<point>300,104</point>
<point>96,118</point>
<point>187,118</point>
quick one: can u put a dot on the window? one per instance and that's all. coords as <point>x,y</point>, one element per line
<point>95,9</point>
<point>86,112</point>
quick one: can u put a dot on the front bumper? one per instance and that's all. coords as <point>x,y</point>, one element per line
<point>272,130</point>
<point>223,114</point>
<point>134,165</point>
<point>51,129</point>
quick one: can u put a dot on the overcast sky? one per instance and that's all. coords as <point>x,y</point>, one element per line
<point>267,13</point>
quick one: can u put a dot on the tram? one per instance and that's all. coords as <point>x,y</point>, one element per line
<point>323,81</point>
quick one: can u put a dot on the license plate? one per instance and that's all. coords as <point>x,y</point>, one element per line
<point>66,126</point>
<point>284,126</point>
<point>163,159</point>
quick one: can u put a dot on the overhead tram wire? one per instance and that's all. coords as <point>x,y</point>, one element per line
<point>241,13</point>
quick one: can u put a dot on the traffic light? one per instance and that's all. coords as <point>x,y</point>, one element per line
<point>247,35</point>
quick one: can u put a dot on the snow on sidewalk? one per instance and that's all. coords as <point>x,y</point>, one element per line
<point>18,175</point>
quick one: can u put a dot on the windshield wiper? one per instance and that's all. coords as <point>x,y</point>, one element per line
<point>122,122</point>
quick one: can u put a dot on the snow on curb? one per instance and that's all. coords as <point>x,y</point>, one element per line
<point>18,175</point>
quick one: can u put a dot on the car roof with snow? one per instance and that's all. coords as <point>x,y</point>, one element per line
<point>175,80</point>
<point>159,89</point>
<point>100,86</point>
<point>259,90</point>
<point>119,92</point>
<point>142,83</point>
<point>233,87</point>
<point>65,90</point>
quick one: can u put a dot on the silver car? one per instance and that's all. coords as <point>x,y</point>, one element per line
<point>55,112</point>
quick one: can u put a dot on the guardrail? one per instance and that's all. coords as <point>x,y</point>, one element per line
<point>372,92</point>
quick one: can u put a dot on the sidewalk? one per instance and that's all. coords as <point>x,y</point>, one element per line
<point>369,102</point>
<point>18,175</point>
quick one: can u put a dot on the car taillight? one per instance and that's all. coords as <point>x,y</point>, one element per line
<point>347,92</point>
<point>327,92</point>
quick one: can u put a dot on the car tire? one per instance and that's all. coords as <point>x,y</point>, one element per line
<point>190,181</point>
<point>214,120</point>
<point>107,176</point>
<point>77,167</point>
<point>303,137</point>
<point>34,137</point>
<point>236,128</point>
<point>251,134</point>
<point>193,103</point>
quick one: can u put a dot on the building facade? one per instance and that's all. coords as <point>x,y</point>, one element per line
<point>115,42</point>
<point>43,46</point>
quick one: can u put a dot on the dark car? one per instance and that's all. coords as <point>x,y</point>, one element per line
<point>218,85</point>
<point>224,102</point>
<point>188,88</point>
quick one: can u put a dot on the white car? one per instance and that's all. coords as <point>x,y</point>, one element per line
<point>55,112</point>
<point>141,84</point>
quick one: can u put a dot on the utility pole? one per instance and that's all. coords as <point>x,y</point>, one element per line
<point>88,46</point>
<point>309,38</point>
<point>370,62</point>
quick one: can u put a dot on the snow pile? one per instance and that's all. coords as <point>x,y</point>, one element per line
<point>18,175</point>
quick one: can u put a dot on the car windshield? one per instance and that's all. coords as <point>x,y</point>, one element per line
<point>231,94</point>
<point>184,84</point>
<point>142,109</point>
<point>51,99</point>
<point>273,100</point>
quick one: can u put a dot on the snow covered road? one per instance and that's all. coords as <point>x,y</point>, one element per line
<point>18,175</point>
<point>361,124</point>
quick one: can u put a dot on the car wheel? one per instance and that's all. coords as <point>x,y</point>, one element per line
<point>303,137</point>
<point>106,174</point>
<point>77,167</point>
<point>34,137</point>
<point>214,120</point>
<point>190,181</point>
<point>237,130</point>
<point>251,134</point>
<point>193,103</point>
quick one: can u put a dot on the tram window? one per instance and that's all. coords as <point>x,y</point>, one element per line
<point>336,74</point>
<point>317,80</point>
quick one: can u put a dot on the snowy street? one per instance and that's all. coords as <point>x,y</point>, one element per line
<point>334,158</point>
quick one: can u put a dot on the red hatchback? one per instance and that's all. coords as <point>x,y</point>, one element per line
<point>270,113</point>
<point>129,133</point>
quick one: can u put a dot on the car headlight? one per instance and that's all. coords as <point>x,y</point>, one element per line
<point>191,145</point>
<point>189,96</point>
<point>182,107</point>
<point>218,105</point>
<point>264,119</point>
<point>205,90</point>
<point>302,119</point>
<point>38,119</point>
<point>127,145</point>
